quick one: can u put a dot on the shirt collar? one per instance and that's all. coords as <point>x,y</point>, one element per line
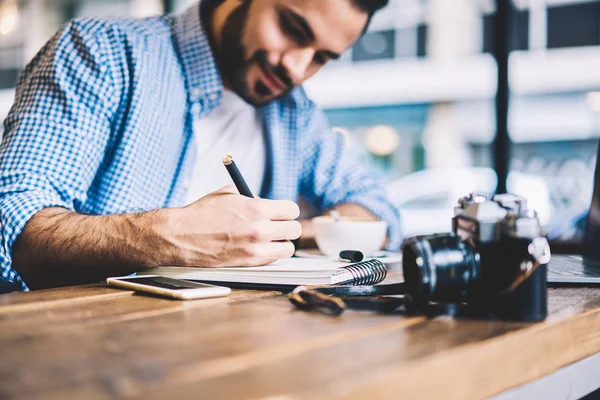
<point>204,82</point>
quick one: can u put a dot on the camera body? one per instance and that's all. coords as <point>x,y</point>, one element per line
<point>492,264</point>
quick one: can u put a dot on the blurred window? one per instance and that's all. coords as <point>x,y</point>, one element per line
<point>574,25</point>
<point>9,77</point>
<point>422,40</point>
<point>104,8</point>
<point>11,58</point>
<point>520,34</point>
<point>377,45</point>
<point>430,200</point>
<point>181,5</point>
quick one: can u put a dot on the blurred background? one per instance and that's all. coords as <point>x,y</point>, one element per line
<point>415,96</point>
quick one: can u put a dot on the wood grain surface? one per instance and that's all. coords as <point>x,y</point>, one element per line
<point>97,342</point>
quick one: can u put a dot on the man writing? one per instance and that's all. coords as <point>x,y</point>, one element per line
<point>110,159</point>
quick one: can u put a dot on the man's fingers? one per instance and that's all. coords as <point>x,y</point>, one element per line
<point>269,231</point>
<point>279,210</point>
<point>273,250</point>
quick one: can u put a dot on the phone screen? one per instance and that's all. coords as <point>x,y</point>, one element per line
<point>165,283</point>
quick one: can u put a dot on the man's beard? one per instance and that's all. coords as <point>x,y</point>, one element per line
<point>234,66</point>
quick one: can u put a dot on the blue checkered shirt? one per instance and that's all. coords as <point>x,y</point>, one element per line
<point>102,124</point>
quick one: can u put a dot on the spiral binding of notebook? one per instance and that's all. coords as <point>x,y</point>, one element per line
<point>368,272</point>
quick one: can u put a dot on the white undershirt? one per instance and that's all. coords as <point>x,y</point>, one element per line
<point>234,128</point>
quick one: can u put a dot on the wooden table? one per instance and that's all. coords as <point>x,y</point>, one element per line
<point>97,342</point>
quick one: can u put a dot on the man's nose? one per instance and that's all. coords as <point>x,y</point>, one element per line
<point>296,62</point>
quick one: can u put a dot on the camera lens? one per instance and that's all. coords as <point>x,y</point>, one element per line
<point>439,268</point>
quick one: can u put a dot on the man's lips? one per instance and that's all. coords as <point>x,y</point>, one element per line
<point>272,81</point>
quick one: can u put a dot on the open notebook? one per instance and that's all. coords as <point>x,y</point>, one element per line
<point>293,271</point>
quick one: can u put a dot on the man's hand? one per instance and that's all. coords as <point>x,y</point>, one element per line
<point>226,229</point>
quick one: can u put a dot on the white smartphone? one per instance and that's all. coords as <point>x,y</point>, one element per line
<point>169,287</point>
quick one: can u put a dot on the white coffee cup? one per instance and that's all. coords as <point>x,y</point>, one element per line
<point>348,234</point>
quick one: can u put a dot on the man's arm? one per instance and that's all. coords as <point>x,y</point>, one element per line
<point>333,177</point>
<point>59,247</point>
<point>57,136</point>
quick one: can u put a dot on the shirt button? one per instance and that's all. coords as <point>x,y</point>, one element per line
<point>197,108</point>
<point>186,184</point>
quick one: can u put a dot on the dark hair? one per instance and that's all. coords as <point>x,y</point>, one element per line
<point>370,7</point>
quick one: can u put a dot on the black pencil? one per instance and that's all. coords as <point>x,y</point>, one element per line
<point>237,177</point>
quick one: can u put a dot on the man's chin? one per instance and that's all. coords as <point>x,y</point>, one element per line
<point>263,100</point>
<point>257,97</point>
<point>263,95</point>
<point>257,100</point>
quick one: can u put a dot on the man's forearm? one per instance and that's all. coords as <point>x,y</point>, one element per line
<point>221,229</point>
<point>59,247</point>
<point>307,240</point>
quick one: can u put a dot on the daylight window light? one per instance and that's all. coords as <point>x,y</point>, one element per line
<point>9,16</point>
<point>382,140</point>
<point>593,101</point>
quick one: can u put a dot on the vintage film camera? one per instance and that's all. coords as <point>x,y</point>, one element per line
<point>493,264</point>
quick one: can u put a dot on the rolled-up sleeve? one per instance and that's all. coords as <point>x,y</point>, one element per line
<point>55,135</point>
<point>333,175</point>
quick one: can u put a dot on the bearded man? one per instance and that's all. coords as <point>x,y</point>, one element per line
<point>110,161</point>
